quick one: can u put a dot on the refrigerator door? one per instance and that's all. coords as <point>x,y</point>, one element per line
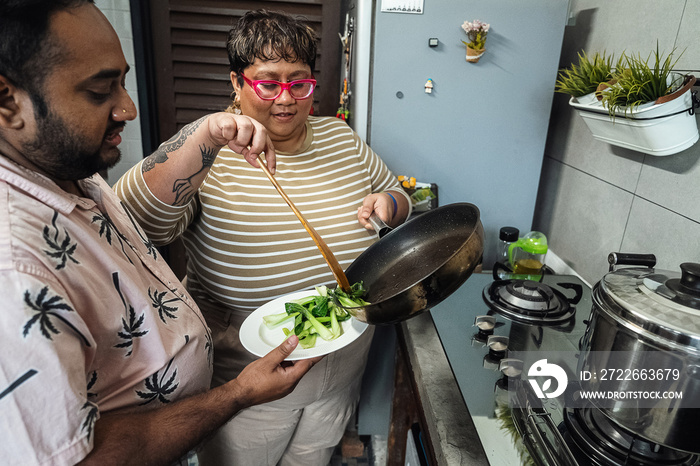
<point>480,133</point>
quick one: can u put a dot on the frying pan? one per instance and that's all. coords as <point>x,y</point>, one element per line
<point>418,264</point>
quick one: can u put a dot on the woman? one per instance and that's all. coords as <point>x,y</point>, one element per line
<point>246,247</point>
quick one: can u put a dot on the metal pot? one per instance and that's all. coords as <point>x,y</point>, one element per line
<point>647,322</point>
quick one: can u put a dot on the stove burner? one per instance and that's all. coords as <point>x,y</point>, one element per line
<point>530,302</point>
<point>602,442</point>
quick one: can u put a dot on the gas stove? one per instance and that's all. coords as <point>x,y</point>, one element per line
<point>501,326</point>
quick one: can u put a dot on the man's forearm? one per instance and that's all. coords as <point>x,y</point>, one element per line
<point>163,435</point>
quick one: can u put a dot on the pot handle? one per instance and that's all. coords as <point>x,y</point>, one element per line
<point>621,258</point>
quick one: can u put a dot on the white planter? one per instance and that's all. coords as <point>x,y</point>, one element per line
<point>672,132</point>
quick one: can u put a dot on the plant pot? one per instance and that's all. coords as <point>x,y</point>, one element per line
<point>473,55</point>
<point>663,127</point>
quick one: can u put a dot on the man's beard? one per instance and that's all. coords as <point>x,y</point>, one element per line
<point>65,155</point>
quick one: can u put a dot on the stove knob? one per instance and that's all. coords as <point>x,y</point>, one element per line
<point>485,323</point>
<point>498,345</point>
<point>511,367</point>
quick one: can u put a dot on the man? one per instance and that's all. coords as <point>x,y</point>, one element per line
<point>105,357</point>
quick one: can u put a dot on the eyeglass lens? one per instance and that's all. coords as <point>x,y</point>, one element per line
<point>272,90</point>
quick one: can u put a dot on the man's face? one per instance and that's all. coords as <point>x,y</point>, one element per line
<point>87,103</point>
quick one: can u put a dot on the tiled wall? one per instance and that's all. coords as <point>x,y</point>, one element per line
<point>595,198</point>
<point>118,14</point>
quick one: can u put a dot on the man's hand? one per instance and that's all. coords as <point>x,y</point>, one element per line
<point>243,135</point>
<point>271,377</point>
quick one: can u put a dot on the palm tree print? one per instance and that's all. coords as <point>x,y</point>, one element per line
<point>91,383</point>
<point>106,229</point>
<point>209,348</point>
<point>14,385</point>
<point>47,308</point>
<point>90,418</point>
<point>150,247</point>
<point>157,388</point>
<point>159,302</point>
<point>131,329</point>
<point>62,250</point>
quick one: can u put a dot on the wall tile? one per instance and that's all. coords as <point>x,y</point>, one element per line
<point>633,26</point>
<point>571,142</point>
<point>653,229</point>
<point>583,217</point>
<point>688,39</point>
<point>128,49</point>
<point>104,5</point>
<point>122,5</point>
<point>673,181</point>
<point>121,21</point>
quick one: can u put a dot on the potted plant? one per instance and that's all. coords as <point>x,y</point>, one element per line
<point>476,32</point>
<point>583,79</point>
<point>656,102</point>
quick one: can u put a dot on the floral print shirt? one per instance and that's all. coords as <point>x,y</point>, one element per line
<point>92,319</point>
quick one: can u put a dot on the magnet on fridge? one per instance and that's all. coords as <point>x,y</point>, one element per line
<point>429,86</point>
<point>433,42</point>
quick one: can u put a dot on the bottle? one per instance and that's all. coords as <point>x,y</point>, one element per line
<point>506,237</point>
<point>527,255</point>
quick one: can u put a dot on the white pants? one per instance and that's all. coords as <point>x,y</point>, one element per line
<point>301,429</point>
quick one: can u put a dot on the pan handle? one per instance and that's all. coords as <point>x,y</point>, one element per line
<point>379,226</point>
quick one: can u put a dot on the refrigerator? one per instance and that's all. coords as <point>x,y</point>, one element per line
<point>480,133</point>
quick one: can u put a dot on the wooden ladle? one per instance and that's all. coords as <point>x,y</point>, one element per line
<point>322,246</point>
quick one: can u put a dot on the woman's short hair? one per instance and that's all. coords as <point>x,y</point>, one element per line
<point>270,35</point>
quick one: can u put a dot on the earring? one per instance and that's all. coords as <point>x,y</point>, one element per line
<point>236,105</point>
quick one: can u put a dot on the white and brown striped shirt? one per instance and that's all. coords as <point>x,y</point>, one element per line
<point>245,245</point>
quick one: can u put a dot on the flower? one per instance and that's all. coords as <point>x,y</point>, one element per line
<point>476,32</point>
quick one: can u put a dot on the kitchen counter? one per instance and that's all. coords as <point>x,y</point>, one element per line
<point>445,417</point>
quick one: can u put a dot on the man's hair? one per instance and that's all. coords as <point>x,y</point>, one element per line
<point>270,35</point>
<point>27,52</point>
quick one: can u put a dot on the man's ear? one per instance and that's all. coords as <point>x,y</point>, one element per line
<point>10,114</point>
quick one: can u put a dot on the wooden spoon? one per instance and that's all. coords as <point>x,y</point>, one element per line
<point>322,246</point>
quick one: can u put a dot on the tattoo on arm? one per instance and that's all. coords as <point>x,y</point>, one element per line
<point>161,154</point>
<point>183,188</point>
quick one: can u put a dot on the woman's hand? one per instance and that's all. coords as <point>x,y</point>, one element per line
<point>243,135</point>
<point>380,203</point>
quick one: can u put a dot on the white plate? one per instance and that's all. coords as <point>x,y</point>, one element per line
<point>257,338</point>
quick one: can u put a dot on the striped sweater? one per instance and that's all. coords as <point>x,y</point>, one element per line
<point>245,246</point>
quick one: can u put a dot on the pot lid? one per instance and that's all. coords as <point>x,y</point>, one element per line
<point>661,302</point>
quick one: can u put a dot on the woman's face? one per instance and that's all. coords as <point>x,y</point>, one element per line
<point>283,117</point>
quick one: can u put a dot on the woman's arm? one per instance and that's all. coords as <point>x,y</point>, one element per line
<point>178,167</point>
<point>159,190</point>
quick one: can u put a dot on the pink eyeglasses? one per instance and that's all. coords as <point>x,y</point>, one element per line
<point>268,89</point>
